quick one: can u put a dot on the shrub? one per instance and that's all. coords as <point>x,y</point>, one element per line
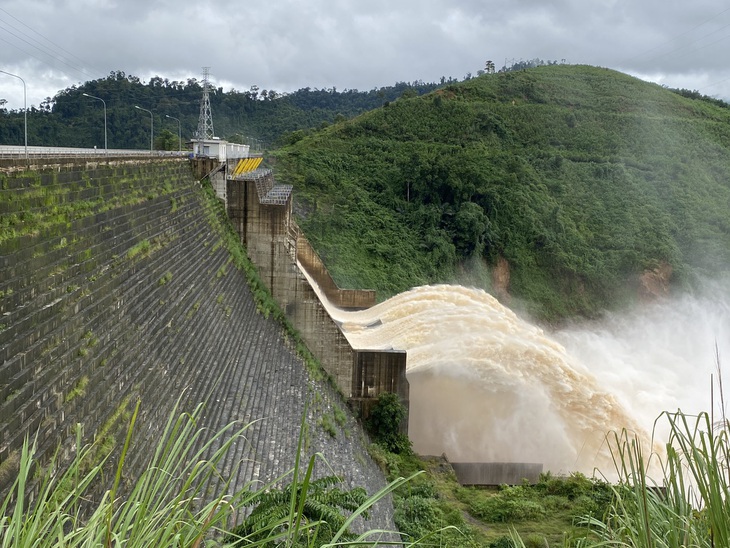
<point>340,416</point>
<point>502,542</point>
<point>321,502</point>
<point>328,426</point>
<point>384,423</point>
<point>416,516</point>
<point>497,509</point>
<point>570,487</point>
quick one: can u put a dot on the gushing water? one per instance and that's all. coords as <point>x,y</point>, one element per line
<point>485,385</point>
<point>661,357</point>
<point>488,386</point>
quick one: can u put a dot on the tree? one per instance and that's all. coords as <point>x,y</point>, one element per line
<point>384,423</point>
<point>166,140</point>
<point>470,227</point>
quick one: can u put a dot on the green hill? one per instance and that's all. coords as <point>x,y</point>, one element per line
<point>581,178</point>
<point>70,119</point>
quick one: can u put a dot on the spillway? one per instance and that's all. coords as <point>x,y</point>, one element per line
<point>488,386</point>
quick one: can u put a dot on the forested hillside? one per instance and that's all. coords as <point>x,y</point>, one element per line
<point>581,178</point>
<point>255,116</point>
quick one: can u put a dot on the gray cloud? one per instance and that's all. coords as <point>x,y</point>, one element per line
<point>287,44</point>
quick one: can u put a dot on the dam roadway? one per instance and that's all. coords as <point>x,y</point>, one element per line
<point>117,284</point>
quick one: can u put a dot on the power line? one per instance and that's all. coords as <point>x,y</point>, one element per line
<point>39,49</point>
<point>45,50</point>
<point>676,37</point>
<point>688,51</point>
<point>51,42</point>
<point>716,83</point>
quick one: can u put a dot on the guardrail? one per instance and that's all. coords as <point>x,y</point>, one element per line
<point>7,151</point>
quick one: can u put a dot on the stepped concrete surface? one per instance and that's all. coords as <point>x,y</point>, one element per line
<point>116,285</point>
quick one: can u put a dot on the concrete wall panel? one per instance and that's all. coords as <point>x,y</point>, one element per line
<point>497,473</point>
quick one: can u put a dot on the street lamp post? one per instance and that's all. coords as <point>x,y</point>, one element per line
<point>179,132</point>
<point>152,125</point>
<point>25,111</point>
<point>106,150</point>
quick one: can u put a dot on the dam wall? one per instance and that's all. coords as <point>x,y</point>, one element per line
<point>73,289</point>
<point>117,285</point>
<point>354,299</point>
<point>497,473</point>
<point>261,212</point>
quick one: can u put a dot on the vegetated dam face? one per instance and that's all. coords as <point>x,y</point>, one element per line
<point>487,386</point>
<point>116,285</point>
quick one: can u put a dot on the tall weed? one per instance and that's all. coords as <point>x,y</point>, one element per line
<point>689,505</point>
<point>168,504</point>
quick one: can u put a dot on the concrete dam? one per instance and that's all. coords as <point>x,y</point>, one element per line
<point>117,285</point>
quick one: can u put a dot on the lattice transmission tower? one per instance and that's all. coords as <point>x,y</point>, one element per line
<point>205,121</point>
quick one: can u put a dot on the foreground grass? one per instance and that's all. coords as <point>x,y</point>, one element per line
<point>688,504</point>
<point>182,499</point>
<point>169,504</point>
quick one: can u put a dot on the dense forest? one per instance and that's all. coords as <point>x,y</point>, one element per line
<point>580,178</point>
<point>258,117</point>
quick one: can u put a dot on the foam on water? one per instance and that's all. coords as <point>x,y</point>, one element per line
<point>486,385</point>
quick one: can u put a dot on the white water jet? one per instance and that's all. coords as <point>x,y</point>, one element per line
<point>486,385</point>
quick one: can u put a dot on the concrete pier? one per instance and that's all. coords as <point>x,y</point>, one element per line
<point>261,212</point>
<point>497,473</point>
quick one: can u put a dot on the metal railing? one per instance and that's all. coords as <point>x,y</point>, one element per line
<point>7,151</point>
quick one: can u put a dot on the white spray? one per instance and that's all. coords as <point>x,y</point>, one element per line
<point>663,356</point>
<point>488,386</point>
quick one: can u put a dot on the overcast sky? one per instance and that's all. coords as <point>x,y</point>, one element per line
<point>357,44</point>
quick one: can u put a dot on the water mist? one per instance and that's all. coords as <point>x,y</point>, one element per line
<point>486,385</point>
<point>662,356</point>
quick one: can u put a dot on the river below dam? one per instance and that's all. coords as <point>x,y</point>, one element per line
<point>488,386</point>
